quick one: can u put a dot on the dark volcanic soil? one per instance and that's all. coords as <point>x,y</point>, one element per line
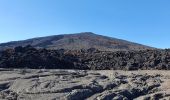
<point>29,57</point>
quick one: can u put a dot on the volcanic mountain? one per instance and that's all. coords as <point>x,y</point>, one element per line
<point>78,41</point>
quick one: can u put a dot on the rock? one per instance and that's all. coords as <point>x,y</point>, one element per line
<point>118,97</point>
<point>18,49</point>
<point>8,95</point>
<point>30,57</point>
<point>78,94</point>
<point>106,96</point>
<point>126,93</point>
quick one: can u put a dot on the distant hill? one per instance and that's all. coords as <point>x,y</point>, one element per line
<point>77,41</point>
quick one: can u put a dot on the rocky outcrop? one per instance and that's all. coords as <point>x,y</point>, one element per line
<point>128,60</point>
<point>29,57</point>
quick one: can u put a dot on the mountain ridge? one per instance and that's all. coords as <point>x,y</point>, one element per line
<point>77,41</point>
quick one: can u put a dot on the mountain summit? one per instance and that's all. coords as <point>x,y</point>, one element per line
<point>78,41</point>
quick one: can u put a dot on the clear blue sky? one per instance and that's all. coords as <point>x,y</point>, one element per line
<point>142,21</point>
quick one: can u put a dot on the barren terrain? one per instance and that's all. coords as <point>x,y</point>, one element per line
<point>77,41</point>
<point>28,84</point>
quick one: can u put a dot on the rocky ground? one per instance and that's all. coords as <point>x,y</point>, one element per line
<point>33,58</point>
<point>22,84</point>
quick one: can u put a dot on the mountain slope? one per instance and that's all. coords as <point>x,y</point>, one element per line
<point>77,41</point>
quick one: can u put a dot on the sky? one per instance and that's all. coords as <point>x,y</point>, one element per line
<point>143,21</point>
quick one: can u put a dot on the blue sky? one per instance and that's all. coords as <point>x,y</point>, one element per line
<point>142,21</point>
